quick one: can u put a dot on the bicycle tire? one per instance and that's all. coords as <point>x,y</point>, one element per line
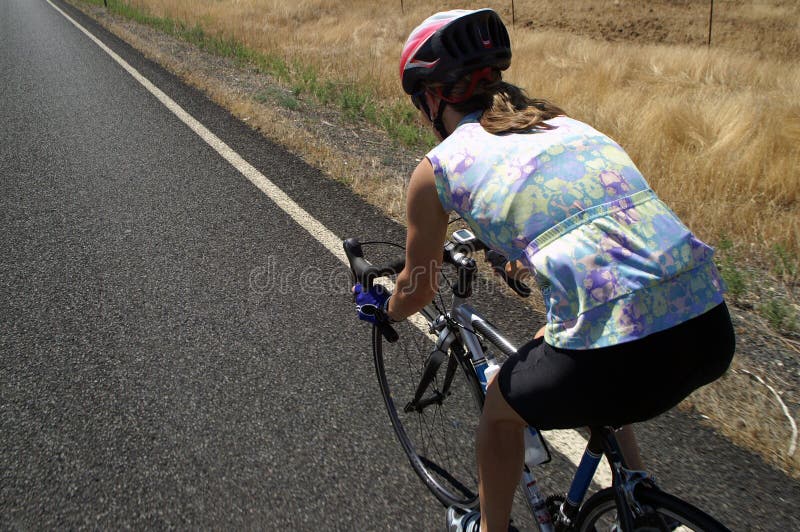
<point>439,441</point>
<point>663,512</point>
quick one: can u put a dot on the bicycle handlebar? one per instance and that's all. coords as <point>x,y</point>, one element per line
<point>498,263</point>
<point>455,253</point>
<point>365,272</point>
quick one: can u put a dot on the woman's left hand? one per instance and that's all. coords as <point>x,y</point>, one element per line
<point>371,304</point>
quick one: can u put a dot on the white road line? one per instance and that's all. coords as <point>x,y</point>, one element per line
<point>298,214</point>
<point>569,443</point>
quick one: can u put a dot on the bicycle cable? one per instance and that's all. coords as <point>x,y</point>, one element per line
<point>441,309</point>
<point>451,322</point>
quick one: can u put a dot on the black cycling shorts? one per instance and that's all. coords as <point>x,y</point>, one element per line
<point>554,388</point>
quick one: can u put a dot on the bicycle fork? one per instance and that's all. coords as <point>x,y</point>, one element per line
<point>437,357</point>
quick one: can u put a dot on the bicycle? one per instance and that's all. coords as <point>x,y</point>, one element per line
<point>433,377</point>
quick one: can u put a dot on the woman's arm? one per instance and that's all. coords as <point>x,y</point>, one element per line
<point>417,284</point>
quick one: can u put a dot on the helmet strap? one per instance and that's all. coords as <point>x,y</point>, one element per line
<point>445,98</point>
<point>438,122</point>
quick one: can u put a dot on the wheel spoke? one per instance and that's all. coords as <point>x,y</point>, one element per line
<point>662,512</point>
<point>439,438</point>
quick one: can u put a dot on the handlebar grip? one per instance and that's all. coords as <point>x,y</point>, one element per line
<point>395,267</point>
<point>363,271</point>
<point>522,289</point>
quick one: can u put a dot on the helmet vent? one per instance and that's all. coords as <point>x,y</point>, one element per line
<point>453,44</point>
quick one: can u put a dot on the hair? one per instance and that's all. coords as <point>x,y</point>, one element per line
<point>506,107</point>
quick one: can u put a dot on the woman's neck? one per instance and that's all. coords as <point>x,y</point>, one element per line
<point>451,118</point>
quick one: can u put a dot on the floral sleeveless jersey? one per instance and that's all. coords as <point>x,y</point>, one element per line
<point>613,262</point>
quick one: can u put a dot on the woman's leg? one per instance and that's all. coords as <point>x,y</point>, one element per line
<point>501,451</point>
<point>630,448</point>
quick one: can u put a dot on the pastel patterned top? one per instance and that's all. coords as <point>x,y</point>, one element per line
<point>614,263</point>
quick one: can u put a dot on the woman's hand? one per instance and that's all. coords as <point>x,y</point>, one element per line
<point>517,271</point>
<point>371,304</point>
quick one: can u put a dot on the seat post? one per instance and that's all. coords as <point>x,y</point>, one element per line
<point>603,441</point>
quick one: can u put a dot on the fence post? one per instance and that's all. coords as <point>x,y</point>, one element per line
<point>710,20</point>
<point>513,15</point>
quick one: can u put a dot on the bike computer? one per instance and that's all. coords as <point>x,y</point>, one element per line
<point>464,237</point>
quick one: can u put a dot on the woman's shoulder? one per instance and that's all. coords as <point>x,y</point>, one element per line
<point>569,123</point>
<point>577,126</point>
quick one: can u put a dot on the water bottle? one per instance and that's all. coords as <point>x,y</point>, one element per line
<point>485,373</point>
<point>535,451</point>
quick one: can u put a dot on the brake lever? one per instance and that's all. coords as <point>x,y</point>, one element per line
<point>387,331</point>
<point>498,262</point>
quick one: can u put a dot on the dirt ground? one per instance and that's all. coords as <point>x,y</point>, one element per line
<point>771,29</point>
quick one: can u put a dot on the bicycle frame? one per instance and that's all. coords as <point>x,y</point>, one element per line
<point>462,324</point>
<point>470,321</point>
<point>602,441</point>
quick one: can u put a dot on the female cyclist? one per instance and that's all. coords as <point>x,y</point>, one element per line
<point>631,295</point>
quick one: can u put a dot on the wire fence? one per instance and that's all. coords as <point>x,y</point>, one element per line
<point>514,16</point>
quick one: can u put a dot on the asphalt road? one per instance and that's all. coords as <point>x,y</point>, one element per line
<point>176,352</point>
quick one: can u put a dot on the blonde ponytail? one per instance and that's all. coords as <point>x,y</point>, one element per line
<point>506,108</point>
<point>512,111</point>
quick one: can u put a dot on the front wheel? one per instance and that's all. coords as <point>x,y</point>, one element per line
<point>662,512</point>
<point>438,431</point>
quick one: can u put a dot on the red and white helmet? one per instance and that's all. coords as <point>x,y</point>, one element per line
<point>449,45</point>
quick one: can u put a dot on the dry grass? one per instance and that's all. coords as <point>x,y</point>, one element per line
<point>717,132</point>
<point>746,411</point>
<point>717,135</point>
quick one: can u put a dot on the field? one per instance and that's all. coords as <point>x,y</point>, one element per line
<point>715,130</point>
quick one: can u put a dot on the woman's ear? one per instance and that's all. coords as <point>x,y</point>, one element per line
<point>433,102</point>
